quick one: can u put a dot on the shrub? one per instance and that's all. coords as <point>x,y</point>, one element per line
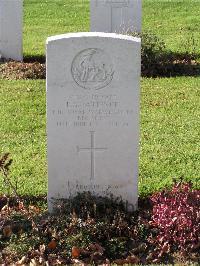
<point>158,61</point>
<point>152,53</point>
<point>176,215</point>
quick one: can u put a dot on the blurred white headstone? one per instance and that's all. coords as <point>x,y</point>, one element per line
<point>119,16</point>
<point>11,26</point>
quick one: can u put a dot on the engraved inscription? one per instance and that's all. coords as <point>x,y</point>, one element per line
<point>93,110</point>
<point>96,188</point>
<point>92,69</point>
<point>120,3</point>
<point>92,149</point>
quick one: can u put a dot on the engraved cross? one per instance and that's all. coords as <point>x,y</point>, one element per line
<point>92,149</point>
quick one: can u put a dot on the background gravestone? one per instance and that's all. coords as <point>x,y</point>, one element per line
<point>11,13</point>
<point>93,115</point>
<point>116,15</point>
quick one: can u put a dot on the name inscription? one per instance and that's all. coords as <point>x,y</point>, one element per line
<point>91,111</point>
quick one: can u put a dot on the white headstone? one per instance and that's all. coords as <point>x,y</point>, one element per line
<point>118,16</point>
<point>93,115</point>
<point>11,15</point>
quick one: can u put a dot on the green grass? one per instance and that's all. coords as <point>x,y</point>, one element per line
<point>176,22</point>
<point>169,107</point>
<point>52,17</point>
<point>169,133</point>
<point>22,133</point>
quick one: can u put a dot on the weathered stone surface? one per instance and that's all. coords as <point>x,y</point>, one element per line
<point>93,115</point>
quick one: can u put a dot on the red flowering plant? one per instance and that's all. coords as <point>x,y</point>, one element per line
<point>176,220</point>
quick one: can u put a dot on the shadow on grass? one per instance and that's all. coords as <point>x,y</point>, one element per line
<point>164,64</point>
<point>170,64</point>
<point>154,64</point>
<point>36,58</point>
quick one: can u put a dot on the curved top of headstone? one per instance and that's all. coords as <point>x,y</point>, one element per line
<point>93,34</point>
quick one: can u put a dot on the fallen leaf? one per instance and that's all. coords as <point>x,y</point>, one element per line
<point>156,261</point>
<point>7,231</point>
<point>120,261</point>
<point>33,262</point>
<point>140,249</point>
<point>21,205</point>
<point>22,261</point>
<point>42,248</point>
<point>76,252</point>
<point>5,208</point>
<point>41,260</point>
<point>165,249</point>
<point>52,244</point>
<point>132,259</point>
<point>34,209</point>
<point>77,262</point>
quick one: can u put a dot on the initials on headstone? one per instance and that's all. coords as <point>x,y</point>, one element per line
<point>92,149</point>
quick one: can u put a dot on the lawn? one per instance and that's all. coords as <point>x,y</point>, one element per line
<point>170,132</point>
<point>169,106</point>
<point>169,145</point>
<point>56,17</point>
<point>23,135</point>
<point>176,22</point>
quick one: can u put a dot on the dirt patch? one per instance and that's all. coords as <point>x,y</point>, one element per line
<point>86,230</point>
<point>169,67</point>
<point>17,70</point>
<point>156,61</point>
